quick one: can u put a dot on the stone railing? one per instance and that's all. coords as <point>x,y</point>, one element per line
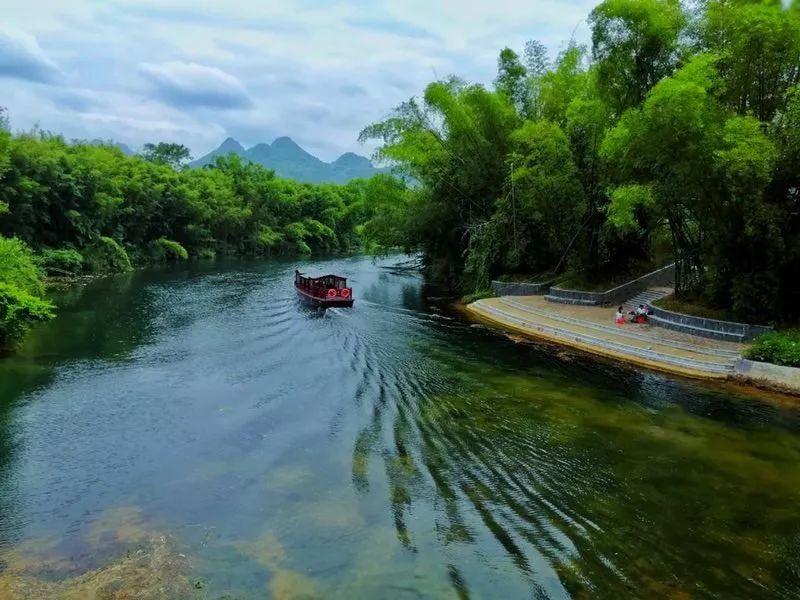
<point>510,288</point>
<point>710,328</point>
<point>662,276</point>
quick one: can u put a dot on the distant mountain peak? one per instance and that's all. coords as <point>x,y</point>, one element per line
<point>285,147</point>
<point>231,146</point>
<point>351,158</point>
<point>284,141</point>
<point>291,161</point>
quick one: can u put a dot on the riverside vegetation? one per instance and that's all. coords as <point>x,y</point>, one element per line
<point>676,136</point>
<point>69,209</point>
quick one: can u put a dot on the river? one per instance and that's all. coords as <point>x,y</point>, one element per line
<point>391,450</point>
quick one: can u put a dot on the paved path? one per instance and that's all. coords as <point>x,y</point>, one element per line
<point>592,328</point>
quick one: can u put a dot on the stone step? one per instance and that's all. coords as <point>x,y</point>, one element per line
<point>646,297</point>
<point>698,365</point>
<point>620,332</point>
<point>637,300</point>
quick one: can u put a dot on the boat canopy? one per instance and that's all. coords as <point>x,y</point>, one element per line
<point>327,281</point>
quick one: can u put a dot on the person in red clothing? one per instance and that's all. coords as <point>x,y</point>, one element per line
<point>641,315</point>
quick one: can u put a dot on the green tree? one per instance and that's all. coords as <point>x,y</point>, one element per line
<point>389,202</point>
<point>667,145</point>
<point>548,197</point>
<point>163,153</point>
<point>511,78</point>
<point>758,43</point>
<point>21,288</point>
<point>455,144</point>
<point>634,44</point>
<point>556,89</point>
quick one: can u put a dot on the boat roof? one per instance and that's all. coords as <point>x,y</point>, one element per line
<point>330,275</point>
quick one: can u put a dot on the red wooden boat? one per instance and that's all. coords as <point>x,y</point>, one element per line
<point>328,290</point>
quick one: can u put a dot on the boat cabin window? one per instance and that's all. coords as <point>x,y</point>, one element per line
<point>326,281</point>
<point>332,281</point>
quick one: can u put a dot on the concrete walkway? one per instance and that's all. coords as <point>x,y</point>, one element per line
<point>592,329</point>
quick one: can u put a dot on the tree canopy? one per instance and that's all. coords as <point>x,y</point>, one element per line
<point>162,153</point>
<point>674,137</point>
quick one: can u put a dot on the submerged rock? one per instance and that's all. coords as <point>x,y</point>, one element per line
<point>155,571</point>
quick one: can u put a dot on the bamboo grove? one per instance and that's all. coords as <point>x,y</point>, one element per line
<point>674,136</point>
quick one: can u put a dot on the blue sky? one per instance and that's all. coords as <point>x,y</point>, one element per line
<point>198,71</point>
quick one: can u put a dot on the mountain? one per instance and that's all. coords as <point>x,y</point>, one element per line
<point>351,166</point>
<point>230,146</point>
<point>290,161</point>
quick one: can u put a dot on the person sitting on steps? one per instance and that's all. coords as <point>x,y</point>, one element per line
<point>620,317</point>
<point>641,314</point>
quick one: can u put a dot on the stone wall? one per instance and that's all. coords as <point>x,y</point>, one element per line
<point>710,328</point>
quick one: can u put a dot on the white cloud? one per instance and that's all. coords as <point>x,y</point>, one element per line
<point>22,58</point>
<point>315,70</point>
<point>188,84</point>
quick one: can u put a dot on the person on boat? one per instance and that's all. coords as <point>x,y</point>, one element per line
<point>620,317</point>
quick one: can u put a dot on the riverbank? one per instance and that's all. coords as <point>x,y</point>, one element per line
<point>589,329</point>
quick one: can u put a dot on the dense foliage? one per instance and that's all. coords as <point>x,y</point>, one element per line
<point>675,137</point>
<point>63,262</point>
<point>18,267</point>
<point>94,198</point>
<point>90,209</point>
<point>780,348</point>
<point>21,289</point>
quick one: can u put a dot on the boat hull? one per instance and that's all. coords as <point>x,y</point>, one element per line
<point>323,302</point>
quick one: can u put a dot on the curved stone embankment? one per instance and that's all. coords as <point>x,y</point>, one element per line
<point>765,375</point>
<point>588,329</point>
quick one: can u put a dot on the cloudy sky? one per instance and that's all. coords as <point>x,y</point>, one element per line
<point>198,71</point>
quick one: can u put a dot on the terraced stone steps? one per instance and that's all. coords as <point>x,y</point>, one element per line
<point>648,296</point>
<point>617,331</point>
<point>598,338</point>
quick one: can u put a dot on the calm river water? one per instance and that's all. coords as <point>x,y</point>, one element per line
<point>387,451</point>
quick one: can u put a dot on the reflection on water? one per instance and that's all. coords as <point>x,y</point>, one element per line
<point>197,426</point>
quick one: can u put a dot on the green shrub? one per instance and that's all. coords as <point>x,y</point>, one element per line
<point>18,266</point>
<point>206,253</point>
<point>107,256</point>
<point>61,262</point>
<point>162,249</point>
<point>778,347</point>
<point>19,311</point>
